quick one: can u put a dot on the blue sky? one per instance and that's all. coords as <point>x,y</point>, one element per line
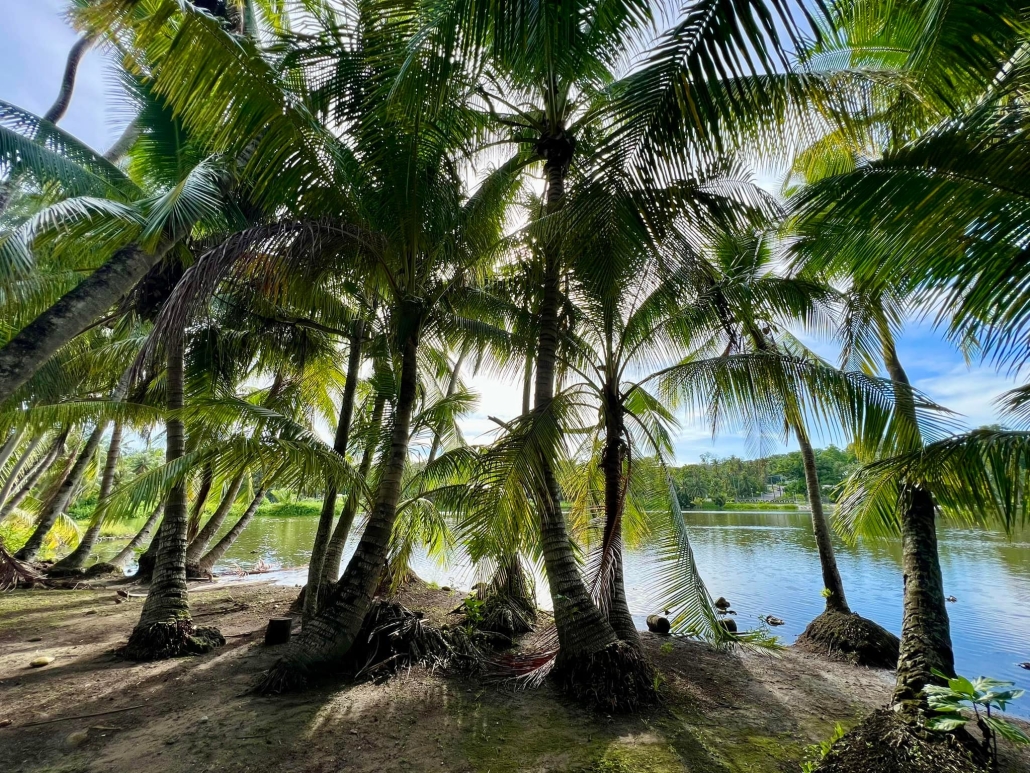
<point>34,42</point>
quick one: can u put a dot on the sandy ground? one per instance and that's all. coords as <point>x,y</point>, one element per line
<point>724,712</point>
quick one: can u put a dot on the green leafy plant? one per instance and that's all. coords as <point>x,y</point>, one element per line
<point>814,754</point>
<point>666,648</point>
<point>984,696</point>
<point>473,609</point>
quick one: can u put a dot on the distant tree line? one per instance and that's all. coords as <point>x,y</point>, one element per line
<point>720,481</point>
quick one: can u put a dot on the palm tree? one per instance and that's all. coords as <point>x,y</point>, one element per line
<point>165,628</point>
<point>755,308</point>
<point>940,150</point>
<point>551,79</point>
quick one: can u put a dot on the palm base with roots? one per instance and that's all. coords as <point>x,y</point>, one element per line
<point>392,638</point>
<point>172,639</point>
<point>886,743</point>
<point>618,678</point>
<point>851,638</point>
<point>507,616</point>
<point>102,568</point>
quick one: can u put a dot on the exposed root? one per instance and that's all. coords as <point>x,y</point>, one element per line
<point>850,638</point>
<point>392,638</point>
<point>161,641</point>
<point>616,679</point>
<point>284,676</point>
<point>506,607</point>
<point>886,743</point>
<point>102,568</point>
<point>197,572</point>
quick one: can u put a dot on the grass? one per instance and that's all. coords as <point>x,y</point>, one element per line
<point>731,506</point>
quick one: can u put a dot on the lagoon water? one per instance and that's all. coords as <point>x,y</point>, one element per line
<point>765,563</point>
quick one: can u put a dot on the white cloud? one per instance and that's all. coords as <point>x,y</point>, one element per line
<point>968,391</point>
<point>34,43</point>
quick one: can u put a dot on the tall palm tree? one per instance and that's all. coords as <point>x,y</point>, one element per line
<point>940,132</point>
<point>165,628</point>
<point>554,76</point>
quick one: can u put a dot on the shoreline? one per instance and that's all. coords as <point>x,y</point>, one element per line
<point>723,712</point>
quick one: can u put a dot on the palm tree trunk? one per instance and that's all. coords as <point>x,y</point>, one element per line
<point>33,475</point>
<point>836,601</point>
<point>334,553</point>
<point>925,630</point>
<point>56,111</point>
<point>77,558</point>
<point>325,519</point>
<point>611,587</point>
<point>59,502</point>
<point>142,535</point>
<point>199,501</point>
<point>25,354</point>
<point>124,143</point>
<point>196,549</point>
<point>527,383</point>
<point>71,69</point>
<point>582,629</point>
<point>12,476</point>
<point>213,556</point>
<point>165,628</point>
<point>329,635</point>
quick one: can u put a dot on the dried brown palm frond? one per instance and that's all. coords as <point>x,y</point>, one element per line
<point>14,572</point>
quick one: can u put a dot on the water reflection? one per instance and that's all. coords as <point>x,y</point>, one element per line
<point>766,563</point>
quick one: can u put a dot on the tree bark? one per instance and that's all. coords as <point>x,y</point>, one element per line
<point>325,520</point>
<point>12,476</point>
<point>33,475</point>
<point>527,383</point>
<point>167,599</point>
<point>582,629</point>
<point>77,558</point>
<point>329,635</point>
<point>193,524</point>
<point>925,630</point>
<point>200,543</point>
<point>611,586</point>
<point>334,553</point>
<point>124,143</point>
<point>836,601</point>
<point>213,556</point>
<point>59,502</point>
<point>127,552</point>
<point>71,70</point>
<point>25,354</point>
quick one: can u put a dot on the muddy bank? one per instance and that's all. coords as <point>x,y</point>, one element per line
<point>724,712</point>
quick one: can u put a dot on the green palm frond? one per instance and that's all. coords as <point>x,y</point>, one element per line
<point>980,477</point>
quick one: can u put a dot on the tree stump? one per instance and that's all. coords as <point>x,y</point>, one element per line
<point>278,631</point>
<point>658,624</point>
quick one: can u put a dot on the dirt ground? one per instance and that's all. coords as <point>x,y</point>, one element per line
<point>725,713</point>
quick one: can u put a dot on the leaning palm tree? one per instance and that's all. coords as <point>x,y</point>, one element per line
<point>756,309</point>
<point>414,230</point>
